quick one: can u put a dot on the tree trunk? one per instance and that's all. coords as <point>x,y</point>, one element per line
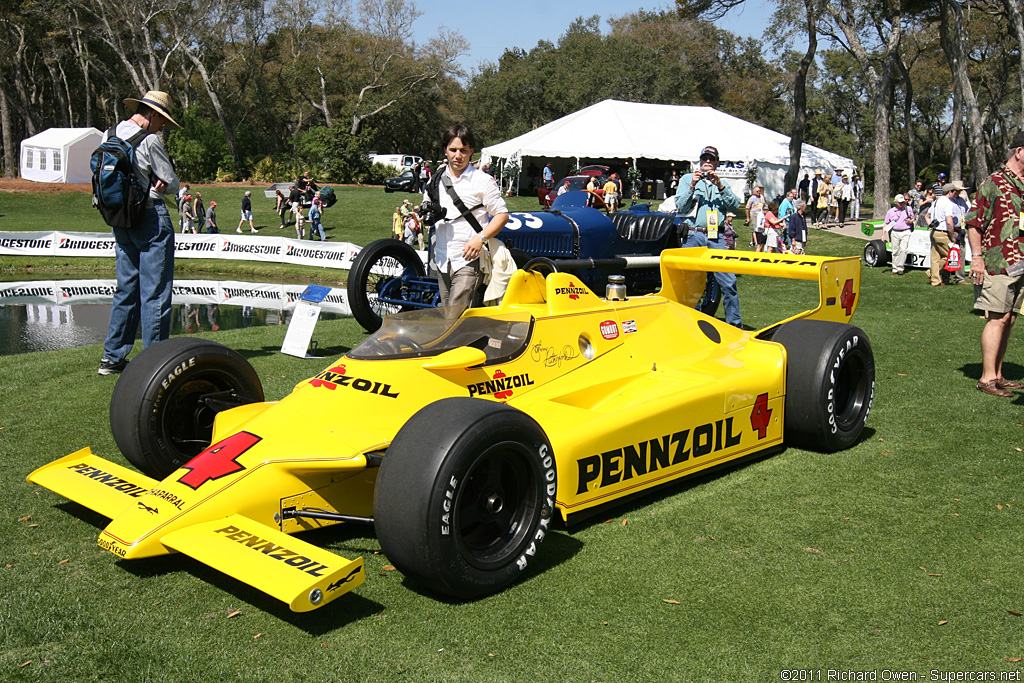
<point>796,138</point>
<point>10,158</point>
<point>1017,30</point>
<point>880,105</point>
<point>324,109</point>
<point>954,43</point>
<point>956,137</point>
<point>879,83</point>
<point>908,121</point>
<point>229,135</point>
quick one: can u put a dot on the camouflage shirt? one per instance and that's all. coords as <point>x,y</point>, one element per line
<point>997,215</point>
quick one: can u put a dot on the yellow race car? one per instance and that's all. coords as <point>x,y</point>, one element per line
<point>461,439</point>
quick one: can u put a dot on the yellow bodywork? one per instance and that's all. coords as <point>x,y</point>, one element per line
<point>631,394</point>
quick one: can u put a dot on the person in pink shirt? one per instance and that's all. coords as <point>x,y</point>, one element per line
<point>897,229</point>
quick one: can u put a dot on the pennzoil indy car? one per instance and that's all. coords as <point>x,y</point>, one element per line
<point>461,440</point>
<point>388,276</point>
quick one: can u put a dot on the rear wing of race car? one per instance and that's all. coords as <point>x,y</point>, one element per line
<point>683,276</point>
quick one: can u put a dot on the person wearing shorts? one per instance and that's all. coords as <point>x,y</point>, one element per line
<point>994,228</point>
<point>246,213</point>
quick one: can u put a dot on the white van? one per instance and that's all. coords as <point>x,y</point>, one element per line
<point>399,162</point>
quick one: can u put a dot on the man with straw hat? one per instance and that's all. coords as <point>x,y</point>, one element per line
<point>144,252</point>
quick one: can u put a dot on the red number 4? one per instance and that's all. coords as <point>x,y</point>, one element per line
<point>219,460</point>
<point>848,297</point>
<point>761,416</point>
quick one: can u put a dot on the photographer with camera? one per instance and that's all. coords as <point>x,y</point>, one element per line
<point>461,231</point>
<point>703,199</point>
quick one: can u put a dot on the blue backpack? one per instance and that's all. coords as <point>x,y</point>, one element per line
<point>116,191</point>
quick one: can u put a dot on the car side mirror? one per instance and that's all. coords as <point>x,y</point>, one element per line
<point>457,359</point>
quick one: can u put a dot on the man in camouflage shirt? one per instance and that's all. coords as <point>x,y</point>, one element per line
<point>996,231</point>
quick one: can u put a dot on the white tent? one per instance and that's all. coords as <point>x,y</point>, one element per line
<point>631,130</point>
<point>59,155</point>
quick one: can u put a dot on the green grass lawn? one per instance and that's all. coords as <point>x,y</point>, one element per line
<point>902,554</point>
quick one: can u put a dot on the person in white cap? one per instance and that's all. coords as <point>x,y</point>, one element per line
<point>145,252</point>
<point>948,215</point>
<point>897,229</point>
<point>246,213</point>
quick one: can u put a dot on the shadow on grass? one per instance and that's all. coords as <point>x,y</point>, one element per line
<point>556,549</point>
<point>349,608</point>
<point>1011,371</point>
<point>84,514</point>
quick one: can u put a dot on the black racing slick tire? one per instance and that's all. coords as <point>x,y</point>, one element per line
<point>875,254</point>
<point>163,405</point>
<point>377,264</point>
<point>830,383</point>
<point>465,496</point>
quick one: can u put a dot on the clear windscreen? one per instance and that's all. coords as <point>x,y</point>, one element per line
<point>428,332</point>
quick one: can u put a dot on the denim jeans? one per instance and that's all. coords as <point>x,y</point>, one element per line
<point>727,281</point>
<point>316,227</point>
<point>145,271</point>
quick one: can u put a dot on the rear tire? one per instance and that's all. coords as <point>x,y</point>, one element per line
<point>465,496</point>
<point>391,259</point>
<point>830,383</point>
<point>159,415</point>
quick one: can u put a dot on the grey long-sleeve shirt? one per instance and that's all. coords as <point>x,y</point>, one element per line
<point>151,161</point>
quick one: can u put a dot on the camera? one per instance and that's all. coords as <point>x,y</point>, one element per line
<point>431,212</point>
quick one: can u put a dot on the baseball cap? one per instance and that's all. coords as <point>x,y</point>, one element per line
<point>955,185</point>
<point>709,151</point>
<point>899,199</point>
<point>1018,140</point>
<point>213,204</point>
<point>942,175</point>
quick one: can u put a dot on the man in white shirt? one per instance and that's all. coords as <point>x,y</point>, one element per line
<point>457,242</point>
<point>949,210</point>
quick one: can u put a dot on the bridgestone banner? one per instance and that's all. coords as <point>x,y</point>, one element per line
<point>30,243</point>
<point>83,244</point>
<point>197,292</point>
<point>336,255</point>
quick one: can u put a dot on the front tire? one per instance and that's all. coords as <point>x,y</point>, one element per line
<point>379,264</point>
<point>875,254</point>
<point>164,403</point>
<point>830,383</point>
<point>465,496</point>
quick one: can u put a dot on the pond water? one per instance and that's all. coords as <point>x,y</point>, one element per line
<point>47,315</point>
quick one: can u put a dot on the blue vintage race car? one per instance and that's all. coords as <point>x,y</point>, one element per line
<point>388,276</point>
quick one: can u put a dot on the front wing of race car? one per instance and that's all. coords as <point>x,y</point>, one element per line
<point>150,520</point>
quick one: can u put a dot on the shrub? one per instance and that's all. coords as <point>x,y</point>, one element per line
<point>335,153</point>
<point>264,170</point>
<point>199,149</point>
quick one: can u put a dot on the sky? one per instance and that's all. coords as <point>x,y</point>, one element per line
<point>490,27</point>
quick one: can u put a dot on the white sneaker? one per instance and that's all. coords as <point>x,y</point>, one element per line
<point>238,230</point>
